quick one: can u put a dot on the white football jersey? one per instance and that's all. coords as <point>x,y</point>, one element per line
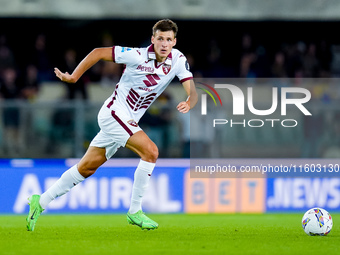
<point>144,79</point>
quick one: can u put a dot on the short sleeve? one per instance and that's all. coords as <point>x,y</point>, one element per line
<point>125,55</point>
<point>183,72</point>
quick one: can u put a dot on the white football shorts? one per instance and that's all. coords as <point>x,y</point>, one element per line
<point>115,130</point>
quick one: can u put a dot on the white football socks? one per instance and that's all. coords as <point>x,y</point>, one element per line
<point>140,184</point>
<point>68,180</point>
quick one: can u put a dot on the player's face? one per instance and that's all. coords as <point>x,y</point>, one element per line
<point>163,43</point>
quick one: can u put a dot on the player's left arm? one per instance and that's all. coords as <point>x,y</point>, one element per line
<point>189,87</point>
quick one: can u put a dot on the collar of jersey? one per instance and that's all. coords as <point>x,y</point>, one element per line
<point>152,55</point>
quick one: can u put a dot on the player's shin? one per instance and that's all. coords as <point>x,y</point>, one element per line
<point>68,180</point>
<point>140,185</point>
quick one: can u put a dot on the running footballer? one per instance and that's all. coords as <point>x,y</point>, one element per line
<point>148,72</point>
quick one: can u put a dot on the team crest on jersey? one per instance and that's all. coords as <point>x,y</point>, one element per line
<point>166,69</point>
<point>133,123</point>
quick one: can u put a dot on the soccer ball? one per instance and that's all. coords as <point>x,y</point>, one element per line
<point>317,222</point>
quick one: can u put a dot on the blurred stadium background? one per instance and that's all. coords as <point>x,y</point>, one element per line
<point>42,118</point>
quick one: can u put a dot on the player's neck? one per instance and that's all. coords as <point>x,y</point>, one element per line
<point>160,59</point>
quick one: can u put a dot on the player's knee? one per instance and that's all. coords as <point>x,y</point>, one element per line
<point>152,154</point>
<point>155,153</point>
<point>88,167</point>
<point>86,171</point>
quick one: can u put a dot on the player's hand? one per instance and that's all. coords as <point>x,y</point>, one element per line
<point>183,107</point>
<point>66,77</point>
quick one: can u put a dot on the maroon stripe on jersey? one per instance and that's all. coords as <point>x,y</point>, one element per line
<point>185,79</point>
<point>150,49</point>
<point>151,95</point>
<point>114,98</point>
<point>131,105</point>
<point>121,123</point>
<point>133,96</point>
<point>130,99</point>
<point>136,94</point>
<point>110,104</point>
<point>156,64</point>
<point>113,54</point>
<point>147,102</point>
<point>170,56</point>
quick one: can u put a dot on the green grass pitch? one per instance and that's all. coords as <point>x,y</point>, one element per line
<point>177,234</point>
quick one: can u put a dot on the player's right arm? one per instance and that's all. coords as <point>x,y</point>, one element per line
<point>92,58</point>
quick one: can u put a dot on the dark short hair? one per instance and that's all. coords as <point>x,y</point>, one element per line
<point>165,25</point>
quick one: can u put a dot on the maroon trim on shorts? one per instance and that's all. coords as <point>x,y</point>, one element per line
<point>185,79</point>
<point>121,123</point>
<point>113,54</point>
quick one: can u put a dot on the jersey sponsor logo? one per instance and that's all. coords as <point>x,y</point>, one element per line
<point>148,69</point>
<point>151,80</point>
<point>133,123</point>
<point>166,69</point>
<point>146,89</point>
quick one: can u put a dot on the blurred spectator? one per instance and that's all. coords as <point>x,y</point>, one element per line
<point>279,72</point>
<point>6,55</point>
<point>111,73</point>
<point>192,64</point>
<point>247,65</point>
<point>262,63</point>
<point>325,57</point>
<point>214,67</point>
<point>96,71</point>
<point>310,62</point>
<point>278,68</point>
<point>10,90</point>
<point>107,39</point>
<point>30,83</point>
<point>294,59</point>
<point>41,59</point>
<point>78,89</point>
<point>248,57</point>
<point>247,46</point>
<point>105,72</point>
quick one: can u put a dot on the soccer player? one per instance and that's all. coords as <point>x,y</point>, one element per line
<point>148,72</point>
